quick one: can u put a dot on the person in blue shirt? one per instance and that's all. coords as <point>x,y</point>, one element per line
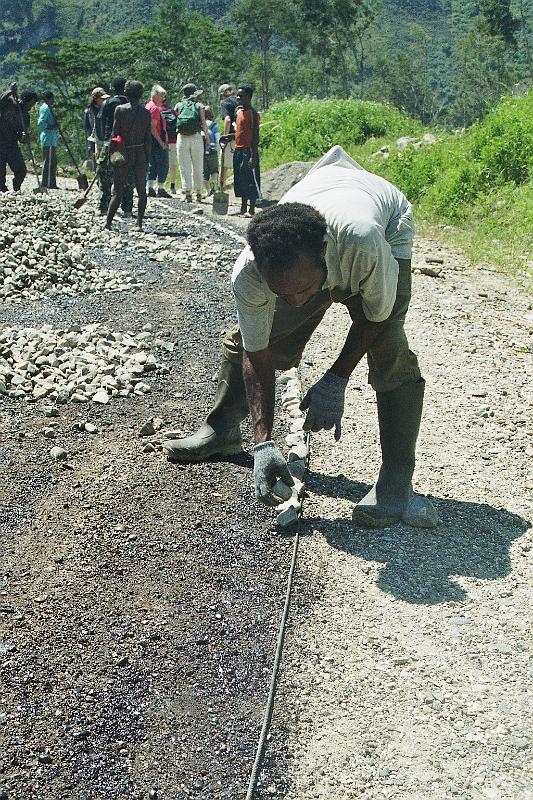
<point>49,138</point>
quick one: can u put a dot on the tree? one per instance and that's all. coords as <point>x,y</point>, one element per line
<point>335,32</point>
<point>498,20</point>
<point>260,22</point>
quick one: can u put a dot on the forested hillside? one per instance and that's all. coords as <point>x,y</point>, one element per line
<point>442,61</point>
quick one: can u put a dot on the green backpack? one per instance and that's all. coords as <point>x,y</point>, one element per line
<point>188,120</point>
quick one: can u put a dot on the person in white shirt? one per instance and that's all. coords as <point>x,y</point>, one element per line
<point>340,235</point>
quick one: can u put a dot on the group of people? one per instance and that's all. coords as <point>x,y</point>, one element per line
<point>127,144</point>
<point>142,146</point>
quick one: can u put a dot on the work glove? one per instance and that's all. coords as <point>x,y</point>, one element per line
<point>269,467</point>
<point>324,403</point>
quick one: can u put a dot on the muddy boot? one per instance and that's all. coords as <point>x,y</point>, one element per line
<point>220,434</point>
<point>392,499</point>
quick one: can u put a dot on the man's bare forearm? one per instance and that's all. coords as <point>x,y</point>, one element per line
<point>259,379</point>
<point>361,337</point>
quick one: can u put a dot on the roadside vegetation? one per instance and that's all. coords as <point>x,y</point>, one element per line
<point>475,184</point>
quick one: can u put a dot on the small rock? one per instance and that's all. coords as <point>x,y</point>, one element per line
<point>90,428</point>
<point>101,397</point>
<point>147,428</point>
<point>148,448</point>
<point>59,453</point>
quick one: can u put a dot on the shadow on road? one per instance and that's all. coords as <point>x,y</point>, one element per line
<point>472,540</point>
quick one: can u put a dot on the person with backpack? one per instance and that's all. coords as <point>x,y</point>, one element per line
<point>191,147</point>
<point>170,117</point>
<point>246,176</point>
<point>14,124</point>
<point>158,170</point>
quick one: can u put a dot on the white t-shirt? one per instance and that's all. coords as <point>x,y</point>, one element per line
<point>369,225</point>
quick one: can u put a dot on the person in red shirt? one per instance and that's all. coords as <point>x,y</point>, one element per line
<point>246,175</point>
<point>158,170</point>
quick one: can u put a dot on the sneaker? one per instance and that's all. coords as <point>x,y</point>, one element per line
<point>163,193</point>
<point>152,193</point>
<point>188,198</point>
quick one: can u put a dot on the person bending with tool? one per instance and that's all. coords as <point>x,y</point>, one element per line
<point>49,138</point>
<point>131,142</point>
<point>14,124</point>
<point>340,235</point>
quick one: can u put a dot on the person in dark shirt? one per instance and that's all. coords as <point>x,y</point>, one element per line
<point>14,123</point>
<point>105,180</point>
<point>228,110</point>
<point>132,139</point>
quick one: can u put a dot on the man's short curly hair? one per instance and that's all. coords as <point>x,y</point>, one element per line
<point>280,235</point>
<point>133,90</point>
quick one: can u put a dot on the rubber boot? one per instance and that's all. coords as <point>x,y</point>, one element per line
<point>392,499</point>
<point>220,434</point>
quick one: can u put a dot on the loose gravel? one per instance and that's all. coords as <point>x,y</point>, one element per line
<point>43,250</point>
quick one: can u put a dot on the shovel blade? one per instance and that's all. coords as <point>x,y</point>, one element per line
<point>220,202</point>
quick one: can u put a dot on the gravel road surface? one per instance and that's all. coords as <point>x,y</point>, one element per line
<point>140,601</point>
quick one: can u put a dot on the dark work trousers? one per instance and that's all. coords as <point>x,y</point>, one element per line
<point>48,179</point>
<point>158,163</point>
<point>122,176</point>
<point>11,156</point>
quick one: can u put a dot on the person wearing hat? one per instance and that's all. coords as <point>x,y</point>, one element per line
<point>228,111</point>
<point>92,122</point>
<point>190,123</point>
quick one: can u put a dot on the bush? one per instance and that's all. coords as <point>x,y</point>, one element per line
<point>451,176</point>
<point>304,129</point>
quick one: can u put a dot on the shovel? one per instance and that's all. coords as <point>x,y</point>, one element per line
<point>83,183</point>
<point>39,189</point>
<point>83,199</point>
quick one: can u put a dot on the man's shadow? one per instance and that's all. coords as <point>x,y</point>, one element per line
<point>419,565</point>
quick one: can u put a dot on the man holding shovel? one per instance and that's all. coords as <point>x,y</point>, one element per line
<point>49,138</point>
<point>341,235</point>
<point>14,123</point>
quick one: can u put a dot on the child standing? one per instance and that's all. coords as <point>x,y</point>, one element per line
<point>246,175</point>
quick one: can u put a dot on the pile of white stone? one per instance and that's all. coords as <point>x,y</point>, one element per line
<point>79,364</point>
<point>42,251</point>
<point>290,509</point>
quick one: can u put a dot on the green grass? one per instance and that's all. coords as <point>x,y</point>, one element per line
<point>472,187</point>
